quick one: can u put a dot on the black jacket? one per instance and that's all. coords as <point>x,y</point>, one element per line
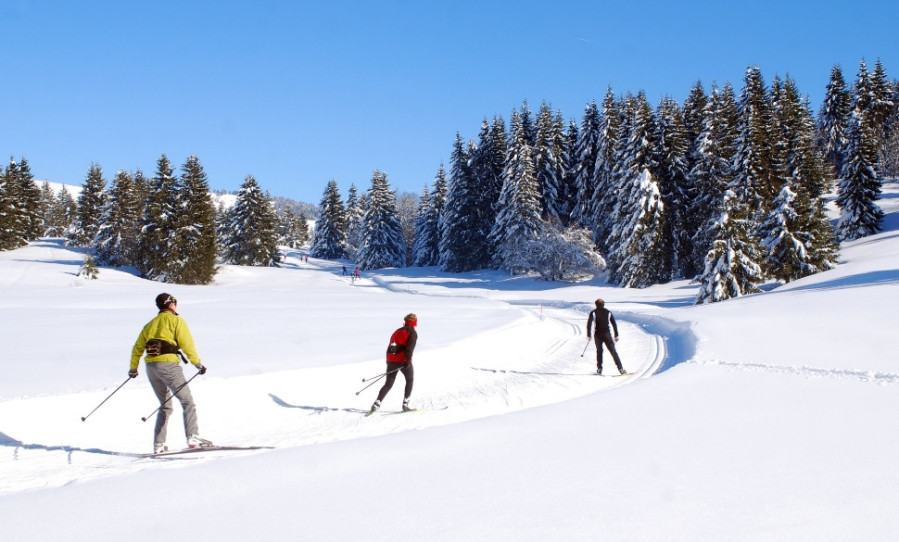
<point>603,317</point>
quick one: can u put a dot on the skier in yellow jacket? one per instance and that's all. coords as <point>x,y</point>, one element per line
<point>162,338</point>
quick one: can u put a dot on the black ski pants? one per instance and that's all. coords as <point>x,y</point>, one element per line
<point>609,341</point>
<point>392,369</point>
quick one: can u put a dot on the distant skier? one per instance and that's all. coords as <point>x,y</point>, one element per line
<point>399,359</point>
<point>602,317</point>
<point>162,338</point>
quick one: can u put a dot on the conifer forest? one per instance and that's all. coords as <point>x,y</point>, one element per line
<point>730,189</point>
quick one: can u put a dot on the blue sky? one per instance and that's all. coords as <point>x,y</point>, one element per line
<point>298,93</point>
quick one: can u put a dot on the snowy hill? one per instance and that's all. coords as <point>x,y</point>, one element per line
<point>770,417</point>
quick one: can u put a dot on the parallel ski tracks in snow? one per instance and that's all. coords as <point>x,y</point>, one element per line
<point>541,363</point>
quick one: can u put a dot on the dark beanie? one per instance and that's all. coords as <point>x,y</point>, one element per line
<point>164,300</point>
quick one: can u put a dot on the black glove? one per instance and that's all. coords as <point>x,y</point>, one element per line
<point>132,373</point>
<point>201,368</point>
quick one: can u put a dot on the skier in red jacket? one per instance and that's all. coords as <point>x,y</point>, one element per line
<point>399,360</point>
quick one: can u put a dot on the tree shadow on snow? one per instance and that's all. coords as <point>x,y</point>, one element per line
<point>8,441</point>
<point>315,409</point>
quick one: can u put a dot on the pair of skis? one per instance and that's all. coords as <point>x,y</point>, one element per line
<point>388,412</point>
<point>199,449</point>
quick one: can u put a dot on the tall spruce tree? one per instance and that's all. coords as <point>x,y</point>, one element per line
<point>606,187</point>
<point>355,210</point>
<point>550,163</point>
<point>731,265</point>
<point>796,231</point>
<point>383,244</point>
<point>11,234</point>
<point>329,238</point>
<point>28,200</point>
<point>426,251</point>
<point>486,162</point>
<point>251,236</point>
<point>833,121</point>
<point>881,104</point>
<point>755,179</point>
<point>116,241</point>
<point>462,238</point>
<point>421,223</point>
<point>155,245</point>
<point>47,205</point>
<point>586,154</point>
<point>91,203</point>
<point>293,231</point>
<point>859,187</point>
<point>672,170</point>
<point>518,221</point>
<point>712,171</point>
<point>61,213</point>
<point>640,254</point>
<point>195,227</point>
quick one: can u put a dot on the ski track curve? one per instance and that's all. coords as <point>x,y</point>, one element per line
<point>549,365</point>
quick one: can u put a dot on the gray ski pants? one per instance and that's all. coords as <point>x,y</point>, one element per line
<point>165,376</point>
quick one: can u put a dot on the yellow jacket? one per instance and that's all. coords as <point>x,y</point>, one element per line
<point>171,328</point>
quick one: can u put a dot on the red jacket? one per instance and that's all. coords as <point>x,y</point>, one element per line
<point>402,344</point>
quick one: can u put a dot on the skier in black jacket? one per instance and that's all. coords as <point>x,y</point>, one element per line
<point>602,317</point>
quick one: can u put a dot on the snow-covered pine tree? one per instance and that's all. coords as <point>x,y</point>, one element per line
<point>294,230</point>
<point>796,232</point>
<point>426,250</point>
<point>383,244</point>
<point>859,187</point>
<point>48,202</point>
<point>91,203</point>
<point>881,104</point>
<point>731,265</point>
<point>28,202</point>
<point>406,211</point>
<point>833,121</point>
<point>355,209</point>
<point>672,170</point>
<point>329,238</point>
<point>518,219</point>
<point>695,112</point>
<point>889,162</point>
<point>640,253</point>
<point>605,181</point>
<point>11,236</point>
<point>195,230</point>
<point>251,236</point>
<point>420,237</point>
<point>461,237</point>
<point>155,246</point>
<point>486,162</point>
<point>713,170</point>
<point>116,241</point>
<point>586,154</point>
<point>572,135</point>
<point>549,149</point>
<point>755,182</point>
<point>61,214</point>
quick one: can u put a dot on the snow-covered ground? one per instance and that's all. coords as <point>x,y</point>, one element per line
<point>771,417</point>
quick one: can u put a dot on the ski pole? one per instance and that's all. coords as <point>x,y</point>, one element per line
<point>83,418</point>
<point>375,379</point>
<point>585,348</point>
<point>382,375</point>
<point>169,398</point>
